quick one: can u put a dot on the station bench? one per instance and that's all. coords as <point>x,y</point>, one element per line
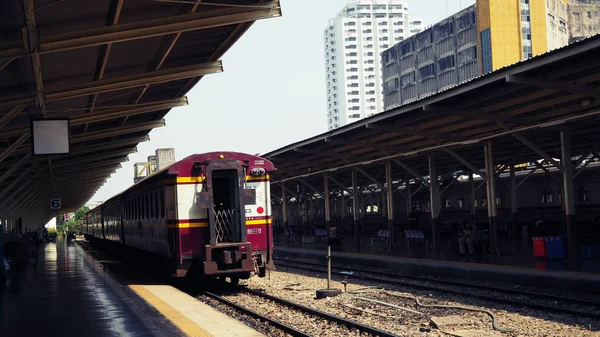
<point>382,235</point>
<point>415,237</point>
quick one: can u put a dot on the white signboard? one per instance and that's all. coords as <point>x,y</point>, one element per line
<point>55,203</point>
<point>50,136</point>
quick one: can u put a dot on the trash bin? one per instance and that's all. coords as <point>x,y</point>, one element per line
<point>555,247</point>
<point>539,247</point>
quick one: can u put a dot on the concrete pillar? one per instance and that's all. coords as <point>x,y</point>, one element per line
<point>390,202</point>
<point>327,207</point>
<point>355,211</point>
<point>472,208</point>
<point>284,207</point>
<point>434,192</point>
<point>491,196</point>
<point>569,199</point>
<point>513,200</point>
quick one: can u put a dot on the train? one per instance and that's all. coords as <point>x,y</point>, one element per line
<point>207,214</point>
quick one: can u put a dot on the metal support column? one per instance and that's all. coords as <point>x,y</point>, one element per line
<point>284,206</point>
<point>513,199</point>
<point>390,202</point>
<point>569,199</point>
<point>2,271</point>
<point>408,199</point>
<point>491,196</point>
<point>327,207</point>
<point>355,211</point>
<point>434,192</point>
<point>343,210</point>
<point>472,208</point>
<point>304,210</point>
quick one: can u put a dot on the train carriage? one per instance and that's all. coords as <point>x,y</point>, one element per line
<point>208,212</point>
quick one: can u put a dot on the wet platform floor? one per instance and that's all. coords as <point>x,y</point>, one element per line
<point>64,294</point>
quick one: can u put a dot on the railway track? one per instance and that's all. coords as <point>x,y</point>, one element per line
<point>516,297</point>
<point>262,318</point>
<point>349,324</point>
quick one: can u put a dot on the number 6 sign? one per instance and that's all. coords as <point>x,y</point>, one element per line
<point>55,203</point>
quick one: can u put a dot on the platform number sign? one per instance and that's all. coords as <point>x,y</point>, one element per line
<point>55,203</point>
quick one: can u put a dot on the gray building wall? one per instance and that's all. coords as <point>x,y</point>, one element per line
<point>438,58</point>
<point>584,19</point>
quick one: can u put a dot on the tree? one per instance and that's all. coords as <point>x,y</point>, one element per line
<point>75,224</point>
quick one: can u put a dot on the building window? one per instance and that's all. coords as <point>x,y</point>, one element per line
<point>486,51</point>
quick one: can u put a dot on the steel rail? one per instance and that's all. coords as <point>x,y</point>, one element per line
<point>333,318</point>
<point>292,331</point>
<point>562,310</point>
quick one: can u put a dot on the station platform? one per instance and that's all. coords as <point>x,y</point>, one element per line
<point>74,290</point>
<point>514,268</point>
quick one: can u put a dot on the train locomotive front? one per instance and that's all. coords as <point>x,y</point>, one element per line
<point>228,199</point>
<point>206,214</point>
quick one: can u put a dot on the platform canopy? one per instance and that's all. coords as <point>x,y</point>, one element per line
<point>522,108</point>
<point>114,68</point>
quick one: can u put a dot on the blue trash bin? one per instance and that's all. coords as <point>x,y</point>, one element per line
<point>556,248</point>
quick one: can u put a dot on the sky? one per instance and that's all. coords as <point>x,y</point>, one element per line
<point>270,94</point>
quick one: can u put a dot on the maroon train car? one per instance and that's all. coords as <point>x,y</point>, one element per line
<point>208,212</point>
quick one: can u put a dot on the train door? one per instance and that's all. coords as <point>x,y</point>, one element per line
<point>226,206</point>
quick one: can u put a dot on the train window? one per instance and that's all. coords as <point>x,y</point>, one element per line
<point>250,196</point>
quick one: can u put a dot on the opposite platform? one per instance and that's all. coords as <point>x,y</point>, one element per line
<point>572,281</point>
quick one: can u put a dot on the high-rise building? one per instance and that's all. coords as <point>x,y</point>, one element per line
<point>354,40</point>
<point>510,31</point>
<point>435,59</point>
<point>479,39</point>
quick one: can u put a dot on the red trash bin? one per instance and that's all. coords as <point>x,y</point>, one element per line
<point>539,247</point>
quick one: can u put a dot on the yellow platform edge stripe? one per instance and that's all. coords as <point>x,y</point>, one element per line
<point>178,319</point>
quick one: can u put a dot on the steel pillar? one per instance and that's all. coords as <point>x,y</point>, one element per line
<point>343,209</point>
<point>2,271</point>
<point>355,212</point>
<point>491,196</point>
<point>434,192</point>
<point>408,198</point>
<point>472,208</point>
<point>513,199</point>
<point>284,206</point>
<point>390,201</point>
<point>327,207</point>
<point>569,199</point>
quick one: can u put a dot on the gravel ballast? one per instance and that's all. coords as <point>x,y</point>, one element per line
<point>299,287</point>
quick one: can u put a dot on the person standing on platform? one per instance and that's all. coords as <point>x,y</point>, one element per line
<point>469,237</point>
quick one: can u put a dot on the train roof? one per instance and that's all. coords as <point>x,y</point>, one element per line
<point>184,166</point>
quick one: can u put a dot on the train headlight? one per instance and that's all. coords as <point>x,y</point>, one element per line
<point>258,171</point>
